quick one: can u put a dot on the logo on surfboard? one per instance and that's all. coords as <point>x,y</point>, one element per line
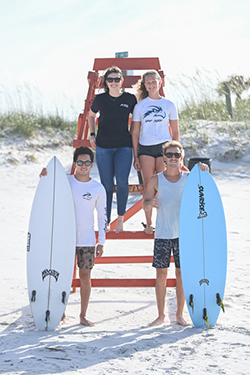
<point>203,212</point>
<point>53,273</point>
<point>202,281</point>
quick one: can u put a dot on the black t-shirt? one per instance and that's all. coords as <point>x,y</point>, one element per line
<point>113,121</point>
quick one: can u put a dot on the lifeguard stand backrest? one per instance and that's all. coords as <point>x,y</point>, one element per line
<point>100,65</point>
<point>128,64</point>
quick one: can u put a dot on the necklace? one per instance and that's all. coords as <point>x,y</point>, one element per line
<point>114,98</point>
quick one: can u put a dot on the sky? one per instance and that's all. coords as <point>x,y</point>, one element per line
<point>47,47</point>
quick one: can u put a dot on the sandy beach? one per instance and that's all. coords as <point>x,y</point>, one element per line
<point>121,341</point>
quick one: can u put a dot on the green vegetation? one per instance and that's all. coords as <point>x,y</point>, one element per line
<point>199,97</point>
<point>21,112</point>
<point>28,123</point>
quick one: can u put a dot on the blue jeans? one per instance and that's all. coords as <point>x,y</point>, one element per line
<point>115,162</point>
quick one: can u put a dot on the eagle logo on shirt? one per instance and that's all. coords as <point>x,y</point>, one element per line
<point>156,111</point>
<point>87,196</point>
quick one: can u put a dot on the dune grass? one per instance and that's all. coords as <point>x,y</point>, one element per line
<point>22,112</point>
<point>28,123</point>
<point>197,98</point>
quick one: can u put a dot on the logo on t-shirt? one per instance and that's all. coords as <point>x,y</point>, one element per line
<point>87,196</point>
<point>156,112</point>
<point>124,105</point>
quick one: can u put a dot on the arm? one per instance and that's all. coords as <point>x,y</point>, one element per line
<point>102,220</point>
<point>91,122</point>
<point>174,126</point>
<point>135,133</point>
<point>150,200</point>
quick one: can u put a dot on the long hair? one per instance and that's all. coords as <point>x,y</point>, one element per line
<point>113,69</point>
<point>142,93</point>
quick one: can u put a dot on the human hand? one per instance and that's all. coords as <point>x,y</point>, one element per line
<point>92,141</point>
<point>155,201</point>
<point>43,173</point>
<point>137,164</point>
<point>203,167</point>
<point>99,250</point>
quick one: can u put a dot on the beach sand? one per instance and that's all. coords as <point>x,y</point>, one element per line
<point>121,342</point>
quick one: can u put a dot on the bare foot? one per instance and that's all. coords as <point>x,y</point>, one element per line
<point>63,320</point>
<point>180,320</point>
<point>158,321</point>
<point>86,322</point>
<point>149,229</point>
<point>119,224</point>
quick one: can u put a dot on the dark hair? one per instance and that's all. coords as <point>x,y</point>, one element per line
<point>83,151</point>
<point>113,69</point>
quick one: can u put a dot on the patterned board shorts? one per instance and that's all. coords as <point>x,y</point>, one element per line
<point>85,257</point>
<point>162,252</point>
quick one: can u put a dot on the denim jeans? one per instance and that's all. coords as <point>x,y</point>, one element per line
<point>115,162</point>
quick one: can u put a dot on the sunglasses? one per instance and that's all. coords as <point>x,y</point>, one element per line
<point>80,163</point>
<point>169,155</point>
<point>117,79</point>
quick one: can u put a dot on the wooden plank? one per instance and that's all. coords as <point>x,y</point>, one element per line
<point>128,63</point>
<point>81,142</point>
<point>127,235</point>
<point>126,259</point>
<point>123,283</point>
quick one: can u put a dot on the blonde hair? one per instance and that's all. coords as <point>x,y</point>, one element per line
<point>140,85</point>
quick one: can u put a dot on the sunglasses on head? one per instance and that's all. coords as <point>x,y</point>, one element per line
<point>116,79</point>
<point>80,163</point>
<point>169,155</point>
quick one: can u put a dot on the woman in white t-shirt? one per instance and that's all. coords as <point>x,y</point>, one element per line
<point>154,122</point>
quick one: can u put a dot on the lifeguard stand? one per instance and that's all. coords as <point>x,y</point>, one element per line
<point>125,64</point>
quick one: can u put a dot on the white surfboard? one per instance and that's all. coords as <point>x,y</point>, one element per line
<point>51,247</point>
<point>203,248</point>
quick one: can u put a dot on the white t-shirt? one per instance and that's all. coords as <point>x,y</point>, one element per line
<point>154,115</point>
<point>87,197</point>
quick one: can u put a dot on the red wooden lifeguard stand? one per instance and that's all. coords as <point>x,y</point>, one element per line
<point>125,64</point>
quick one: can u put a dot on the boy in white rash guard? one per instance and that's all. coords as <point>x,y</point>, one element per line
<point>88,195</point>
<point>164,193</point>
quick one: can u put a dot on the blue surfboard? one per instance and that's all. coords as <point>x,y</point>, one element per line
<point>203,248</point>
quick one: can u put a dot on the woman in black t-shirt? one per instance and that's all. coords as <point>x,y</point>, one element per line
<point>113,140</point>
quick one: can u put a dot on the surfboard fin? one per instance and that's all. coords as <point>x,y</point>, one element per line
<point>205,317</point>
<point>64,298</point>
<point>191,302</point>
<point>47,316</point>
<point>33,296</point>
<point>219,301</point>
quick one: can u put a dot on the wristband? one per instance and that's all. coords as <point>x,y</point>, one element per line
<point>92,134</point>
<point>135,157</point>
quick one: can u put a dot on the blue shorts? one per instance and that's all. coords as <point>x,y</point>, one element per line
<point>162,252</point>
